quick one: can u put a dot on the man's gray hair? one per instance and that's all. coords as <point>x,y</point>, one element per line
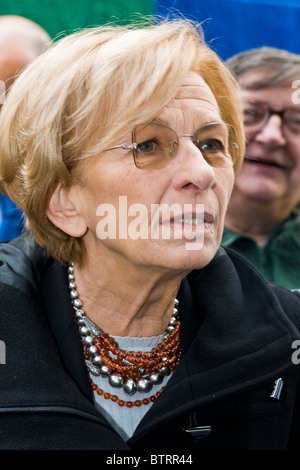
<point>284,66</point>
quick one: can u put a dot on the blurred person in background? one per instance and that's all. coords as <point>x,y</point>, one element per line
<point>21,41</point>
<point>263,217</point>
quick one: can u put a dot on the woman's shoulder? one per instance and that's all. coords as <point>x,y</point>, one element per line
<point>231,280</point>
<point>22,262</point>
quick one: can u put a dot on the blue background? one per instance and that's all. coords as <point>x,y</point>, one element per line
<point>231,26</point>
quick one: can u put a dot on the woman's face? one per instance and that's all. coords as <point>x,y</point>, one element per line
<point>169,218</point>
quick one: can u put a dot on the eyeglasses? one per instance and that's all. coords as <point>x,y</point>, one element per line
<point>154,145</point>
<point>257,114</point>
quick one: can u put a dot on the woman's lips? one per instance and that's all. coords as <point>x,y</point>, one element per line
<point>192,222</point>
<point>194,219</point>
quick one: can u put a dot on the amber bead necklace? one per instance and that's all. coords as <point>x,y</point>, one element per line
<point>133,371</point>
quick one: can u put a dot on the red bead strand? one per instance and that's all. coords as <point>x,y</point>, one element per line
<point>126,362</point>
<point>128,403</point>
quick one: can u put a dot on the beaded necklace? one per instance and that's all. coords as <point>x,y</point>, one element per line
<point>133,371</point>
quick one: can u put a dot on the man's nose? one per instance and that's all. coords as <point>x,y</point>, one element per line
<point>272,132</point>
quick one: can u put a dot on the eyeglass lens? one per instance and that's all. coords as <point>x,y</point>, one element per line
<point>157,144</point>
<point>257,114</point>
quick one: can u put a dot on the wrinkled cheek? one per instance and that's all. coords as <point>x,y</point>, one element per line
<point>228,195</point>
<point>226,184</point>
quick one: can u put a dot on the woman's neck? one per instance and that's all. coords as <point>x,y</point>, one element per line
<point>133,303</point>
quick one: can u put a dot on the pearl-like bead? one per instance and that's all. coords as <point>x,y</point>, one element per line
<point>73,294</point>
<point>77,303</point>
<point>156,379</point>
<point>144,385</point>
<point>116,380</point>
<point>104,371</point>
<point>169,329</point>
<point>129,387</point>
<point>92,350</point>
<point>84,331</point>
<point>88,340</point>
<point>164,371</point>
<point>97,361</point>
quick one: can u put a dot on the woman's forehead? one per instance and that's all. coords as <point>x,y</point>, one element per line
<point>193,96</point>
<point>194,91</point>
<point>192,81</point>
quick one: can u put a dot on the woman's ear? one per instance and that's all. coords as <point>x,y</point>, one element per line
<point>63,212</point>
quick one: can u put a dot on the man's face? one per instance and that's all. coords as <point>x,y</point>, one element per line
<point>13,59</point>
<point>271,170</point>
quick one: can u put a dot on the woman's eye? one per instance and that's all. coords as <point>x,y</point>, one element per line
<point>211,146</point>
<point>214,152</point>
<point>146,147</point>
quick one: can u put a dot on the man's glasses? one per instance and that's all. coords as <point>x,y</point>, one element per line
<point>154,145</point>
<point>257,114</point>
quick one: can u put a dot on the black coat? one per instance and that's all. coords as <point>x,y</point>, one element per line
<point>238,339</point>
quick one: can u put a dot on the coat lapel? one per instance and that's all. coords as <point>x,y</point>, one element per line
<point>240,338</point>
<point>235,335</point>
<point>59,312</point>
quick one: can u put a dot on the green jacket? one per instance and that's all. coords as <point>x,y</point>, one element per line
<point>279,259</point>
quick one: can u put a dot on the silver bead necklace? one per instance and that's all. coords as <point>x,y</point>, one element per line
<point>89,333</point>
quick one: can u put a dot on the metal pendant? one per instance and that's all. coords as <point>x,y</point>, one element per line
<point>144,385</point>
<point>104,371</point>
<point>116,380</point>
<point>130,387</point>
<point>94,370</point>
<point>156,379</point>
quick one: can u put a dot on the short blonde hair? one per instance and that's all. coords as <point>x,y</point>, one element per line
<point>82,94</point>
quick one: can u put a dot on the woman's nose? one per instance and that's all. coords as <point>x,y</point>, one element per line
<point>191,170</point>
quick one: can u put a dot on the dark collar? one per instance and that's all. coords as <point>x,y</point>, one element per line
<point>243,339</point>
<point>59,311</point>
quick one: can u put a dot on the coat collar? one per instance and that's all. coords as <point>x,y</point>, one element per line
<point>59,311</point>
<point>244,339</point>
